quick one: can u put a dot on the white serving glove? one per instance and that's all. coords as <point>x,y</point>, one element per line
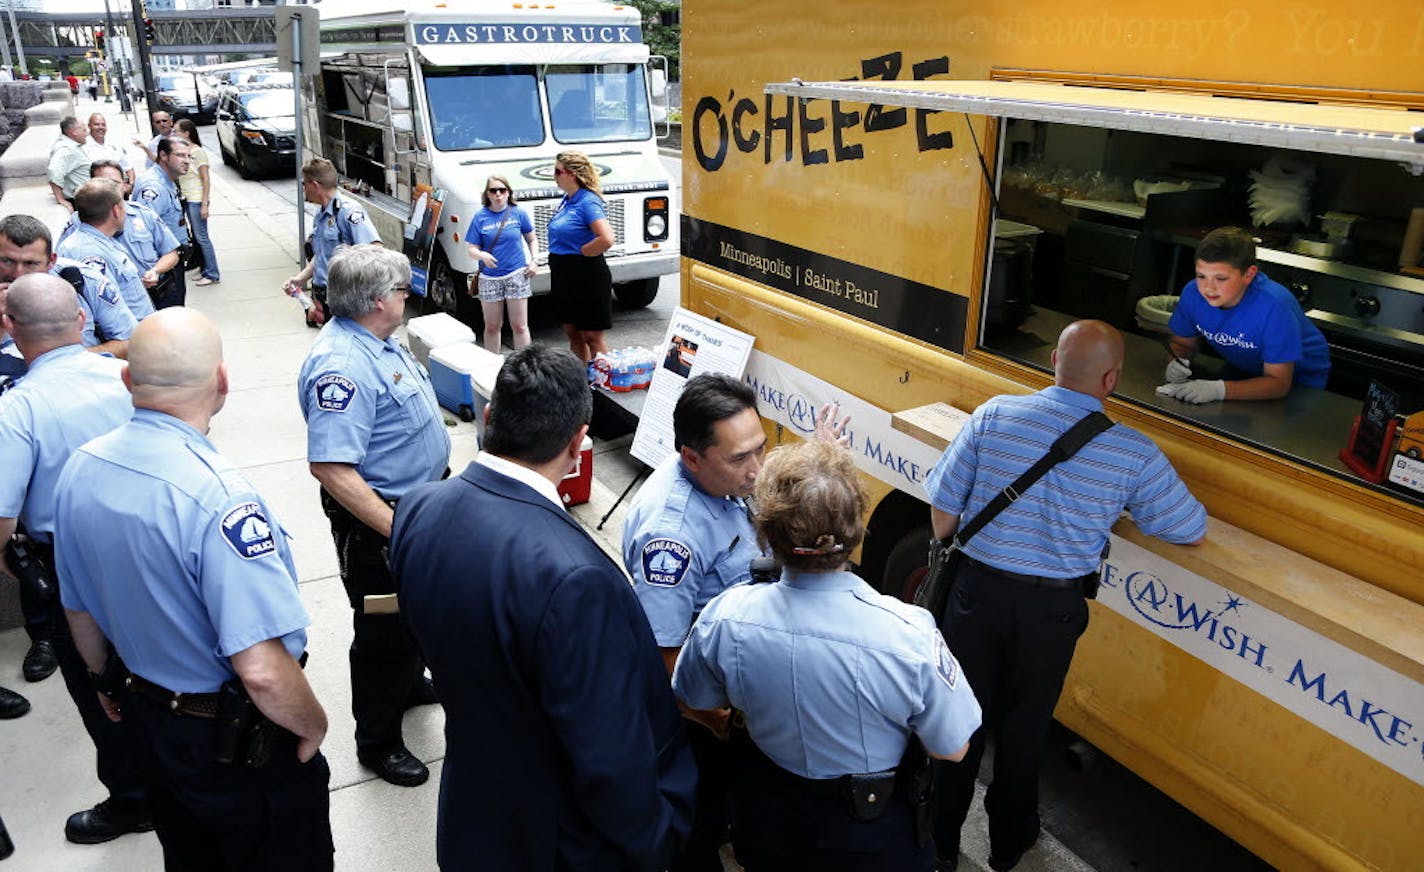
<point>1196,391</point>
<point>1179,370</point>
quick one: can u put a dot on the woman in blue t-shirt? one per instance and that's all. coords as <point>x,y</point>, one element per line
<point>1251,321</point>
<point>579,234</point>
<point>505,264</point>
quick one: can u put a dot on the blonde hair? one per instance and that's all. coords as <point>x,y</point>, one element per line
<point>582,169</point>
<point>809,506</point>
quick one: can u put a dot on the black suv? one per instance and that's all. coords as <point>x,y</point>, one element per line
<point>256,129</point>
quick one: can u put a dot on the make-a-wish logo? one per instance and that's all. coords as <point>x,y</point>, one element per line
<point>801,412</point>
<point>1157,603</point>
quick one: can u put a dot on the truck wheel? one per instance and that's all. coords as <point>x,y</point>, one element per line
<point>906,565</point>
<point>445,287</point>
<point>636,294</point>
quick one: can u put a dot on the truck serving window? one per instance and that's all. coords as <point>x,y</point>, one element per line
<point>598,102</point>
<point>491,107</point>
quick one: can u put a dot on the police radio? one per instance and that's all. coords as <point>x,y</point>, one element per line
<point>28,568</point>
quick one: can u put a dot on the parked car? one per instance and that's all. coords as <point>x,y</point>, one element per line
<point>257,129</point>
<point>185,95</point>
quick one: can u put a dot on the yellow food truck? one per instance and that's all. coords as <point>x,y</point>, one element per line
<point>906,202</point>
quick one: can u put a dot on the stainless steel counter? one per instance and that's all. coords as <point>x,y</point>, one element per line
<point>1308,425</point>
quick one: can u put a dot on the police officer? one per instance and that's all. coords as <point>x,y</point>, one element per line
<point>146,239</point>
<point>688,537</point>
<point>157,188</point>
<point>67,398</point>
<point>1018,607</point>
<point>833,680</point>
<point>99,205</point>
<point>374,431</point>
<point>189,619</point>
<point>338,221</point>
<point>25,249</point>
<point>162,127</point>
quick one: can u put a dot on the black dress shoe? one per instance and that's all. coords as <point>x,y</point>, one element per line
<point>12,705</point>
<point>398,767</point>
<point>947,864</point>
<point>106,822</point>
<point>422,694</point>
<point>1005,862</point>
<point>40,662</point>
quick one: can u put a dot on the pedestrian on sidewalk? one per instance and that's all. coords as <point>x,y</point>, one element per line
<point>196,186</point>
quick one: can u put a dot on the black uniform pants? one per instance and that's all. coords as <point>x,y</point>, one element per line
<point>114,755</point>
<point>781,824</point>
<point>227,817</point>
<point>175,290</point>
<point>1014,641</point>
<point>711,814</point>
<point>385,666</point>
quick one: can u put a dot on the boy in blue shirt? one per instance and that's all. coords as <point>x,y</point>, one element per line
<point>1251,321</point>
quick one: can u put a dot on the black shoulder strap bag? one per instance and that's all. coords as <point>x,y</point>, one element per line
<point>945,554</point>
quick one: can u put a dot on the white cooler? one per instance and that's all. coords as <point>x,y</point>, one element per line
<point>432,331</point>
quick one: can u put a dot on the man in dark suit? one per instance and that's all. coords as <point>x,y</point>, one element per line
<point>564,747</point>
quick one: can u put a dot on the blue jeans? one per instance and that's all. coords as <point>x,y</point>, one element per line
<point>199,225</point>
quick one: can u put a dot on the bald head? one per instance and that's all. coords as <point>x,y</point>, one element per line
<point>42,313</point>
<point>1088,358</point>
<point>174,349</point>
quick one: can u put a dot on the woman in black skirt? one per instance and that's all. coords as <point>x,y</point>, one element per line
<point>579,234</point>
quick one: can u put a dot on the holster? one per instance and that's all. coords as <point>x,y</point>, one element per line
<point>29,569</point>
<point>915,782</point>
<point>245,736</point>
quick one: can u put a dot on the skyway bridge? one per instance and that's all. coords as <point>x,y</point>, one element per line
<point>220,30</point>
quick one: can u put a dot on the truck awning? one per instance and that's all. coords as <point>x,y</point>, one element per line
<point>463,55</point>
<point>1383,133</point>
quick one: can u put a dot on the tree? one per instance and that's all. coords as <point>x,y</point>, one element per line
<point>662,31</point>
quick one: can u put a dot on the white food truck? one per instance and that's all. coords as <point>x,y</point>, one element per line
<point>422,105</point>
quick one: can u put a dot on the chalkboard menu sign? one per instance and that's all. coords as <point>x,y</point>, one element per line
<point>1370,442</point>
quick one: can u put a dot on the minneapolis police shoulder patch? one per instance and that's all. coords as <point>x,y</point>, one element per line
<point>665,562</point>
<point>334,392</point>
<point>149,193</point>
<point>109,294</point>
<point>355,216</point>
<point>247,532</point>
<point>945,664</point>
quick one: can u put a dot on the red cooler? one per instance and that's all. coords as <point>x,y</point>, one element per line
<point>576,485</point>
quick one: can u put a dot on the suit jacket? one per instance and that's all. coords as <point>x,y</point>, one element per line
<point>564,747</point>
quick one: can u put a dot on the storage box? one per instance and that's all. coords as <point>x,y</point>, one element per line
<point>457,370</point>
<point>577,485</point>
<point>432,331</point>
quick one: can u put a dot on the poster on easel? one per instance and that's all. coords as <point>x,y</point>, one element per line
<point>420,227</point>
<point>691,346</point>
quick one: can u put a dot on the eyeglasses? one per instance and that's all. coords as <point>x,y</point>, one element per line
<point>403,290</point>
<point>499,190</point>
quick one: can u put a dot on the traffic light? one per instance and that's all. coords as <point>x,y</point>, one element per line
<point>99,40</point>
<point>148,30</point>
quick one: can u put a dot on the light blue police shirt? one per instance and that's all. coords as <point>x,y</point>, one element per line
<point>340,222</point>
<point>144,237</point>
<point>88,245</point>
<point>158,192</point>
<point>105,312</point>
<point>68,397</point>
<point>831,676</point>
<point>1058,527</point>
<point>370,404</point>
<point>682,546</point>
<point>176,557</point>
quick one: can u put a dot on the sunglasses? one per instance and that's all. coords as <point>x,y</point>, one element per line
<point>560,171</point>
<point>498,190</point>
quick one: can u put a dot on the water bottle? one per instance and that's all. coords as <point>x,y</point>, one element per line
<point>301,296</point>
